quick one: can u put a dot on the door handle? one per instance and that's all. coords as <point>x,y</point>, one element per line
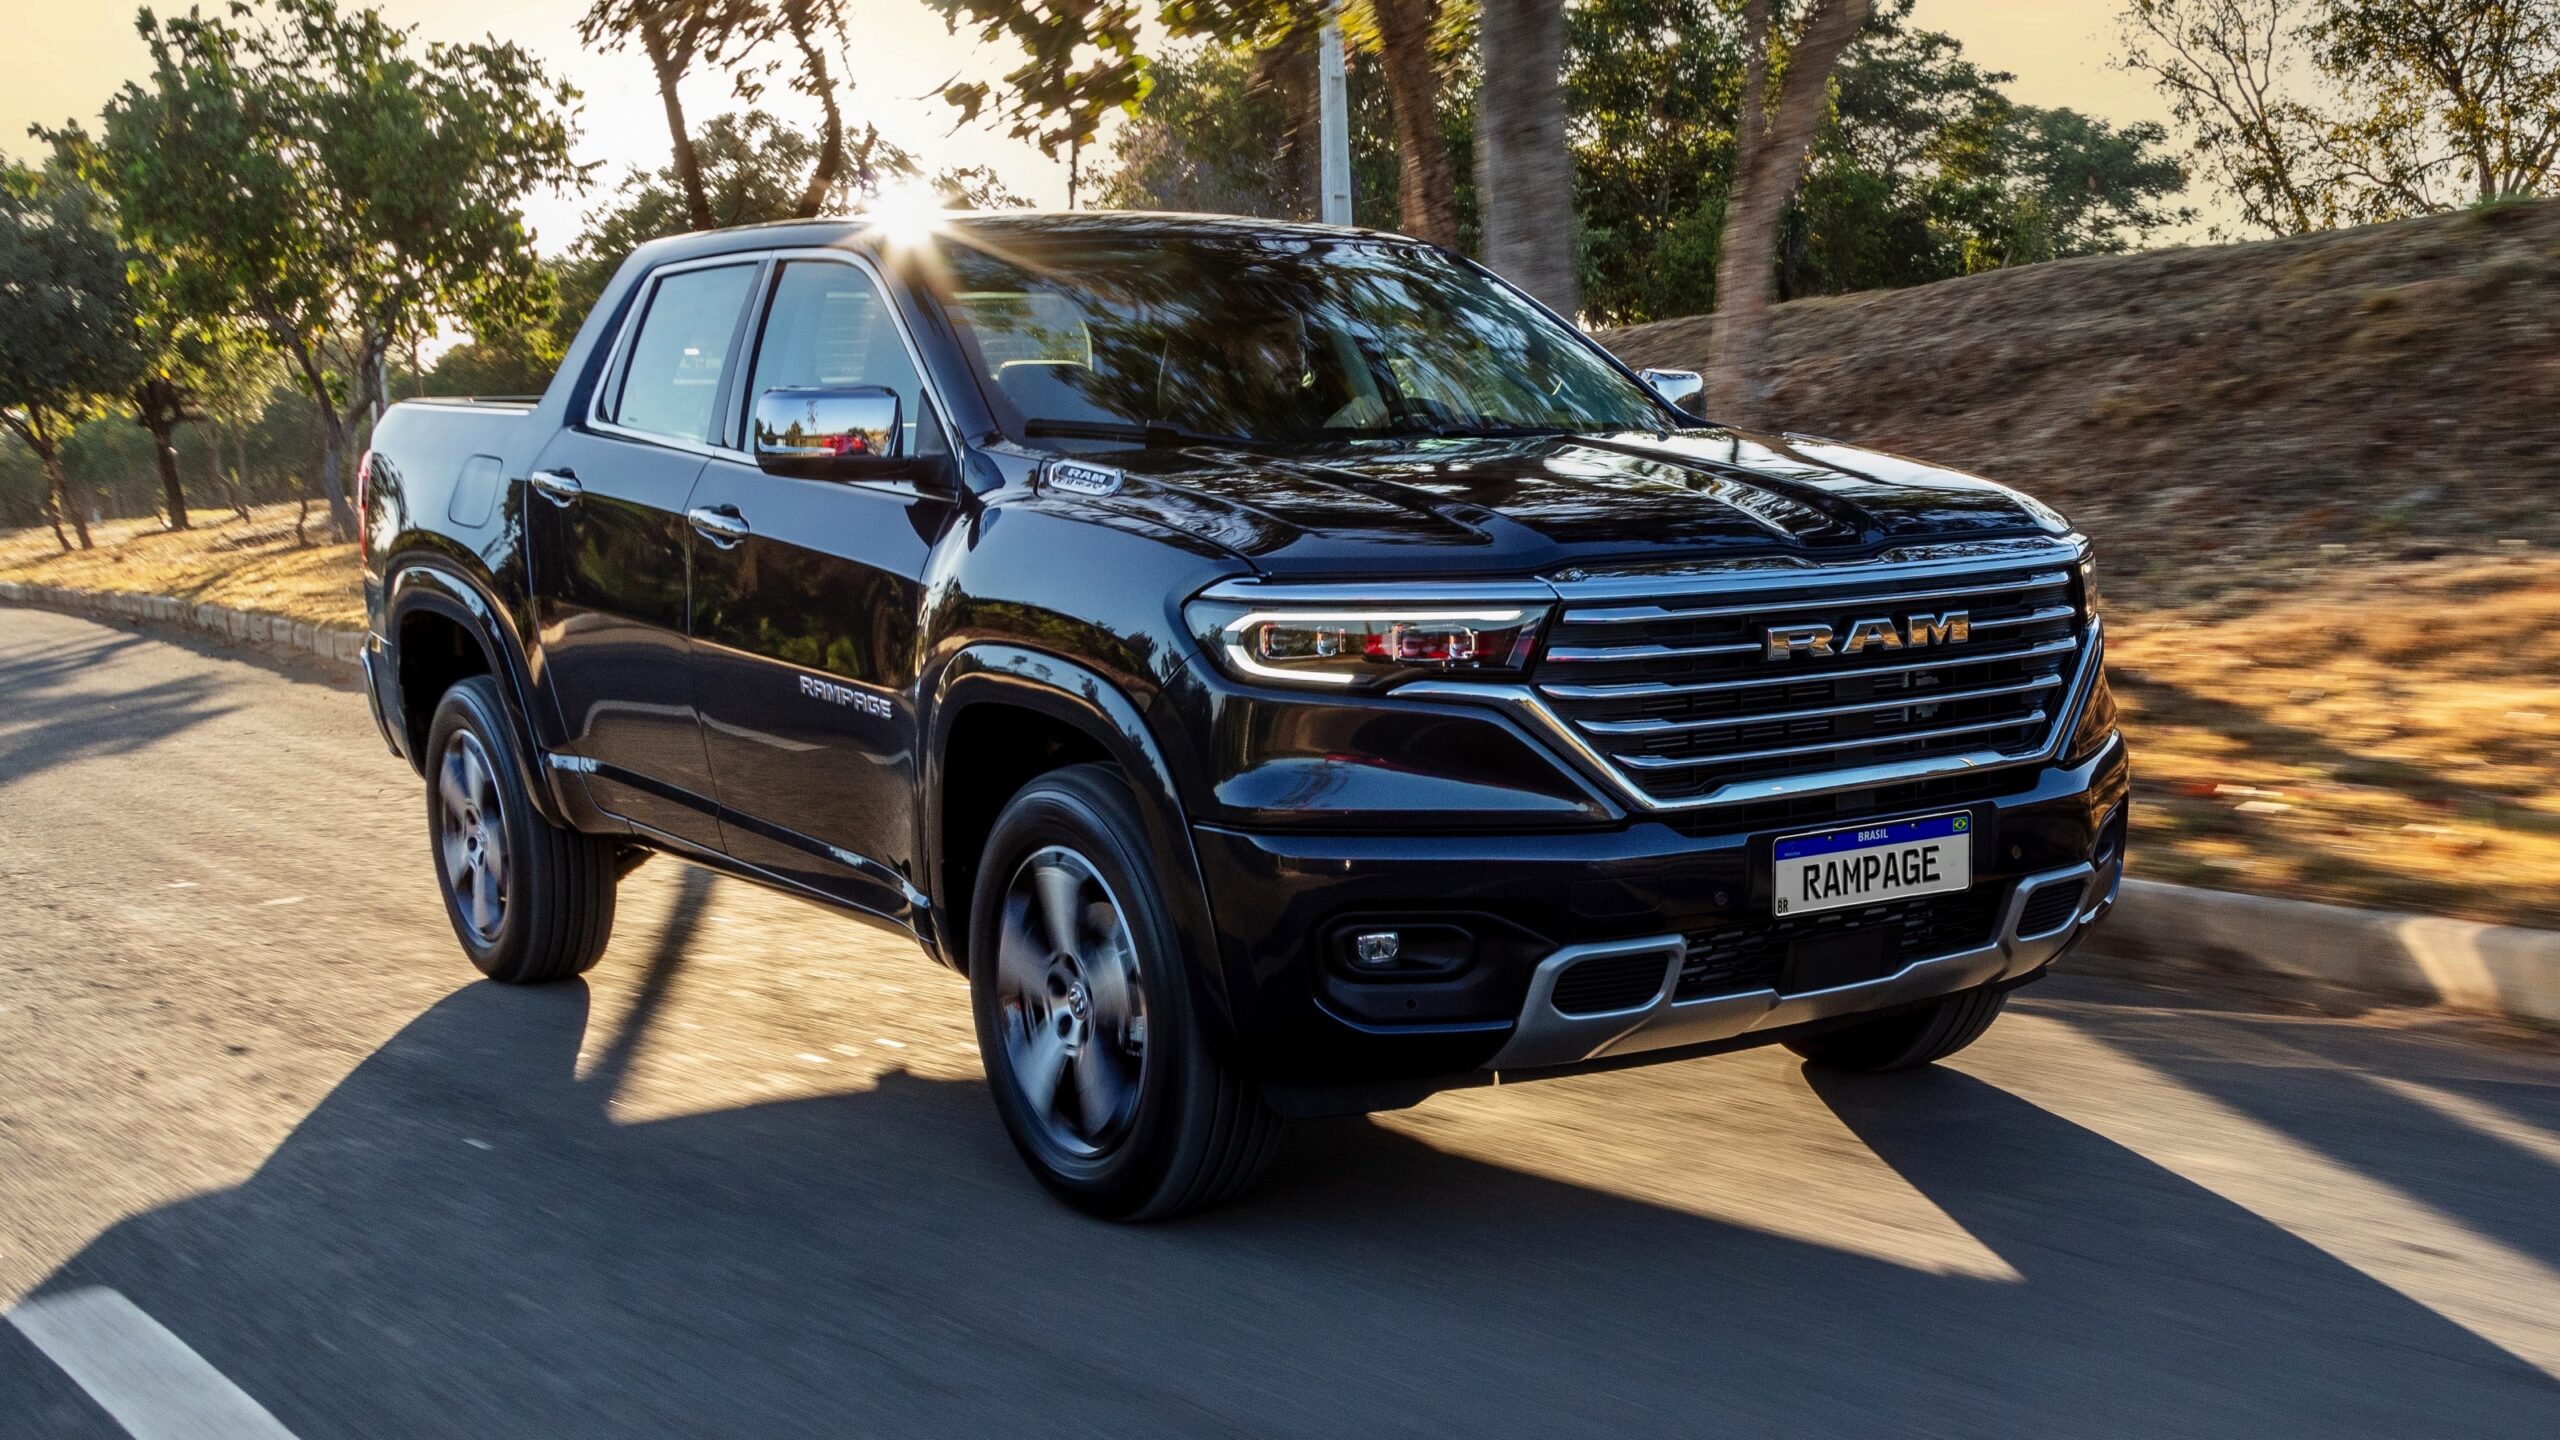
<point>560,487</point>
<point>722,526</point>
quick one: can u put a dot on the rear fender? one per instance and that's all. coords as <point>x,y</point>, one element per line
<point>428,586</point>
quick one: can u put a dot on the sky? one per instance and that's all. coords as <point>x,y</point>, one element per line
<point>62,59</point>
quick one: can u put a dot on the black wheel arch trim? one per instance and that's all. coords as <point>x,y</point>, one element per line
<point>1098,708</point>
<point>420,584</point>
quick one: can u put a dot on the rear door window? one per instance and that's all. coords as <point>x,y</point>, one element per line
<point>671,381</point>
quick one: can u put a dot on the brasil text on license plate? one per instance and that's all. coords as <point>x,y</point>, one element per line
<point>1865,864</point>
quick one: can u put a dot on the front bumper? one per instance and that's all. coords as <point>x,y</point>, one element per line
<point>1546,902</point>
<point>1546,1036</point>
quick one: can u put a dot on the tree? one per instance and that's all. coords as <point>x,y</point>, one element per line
<point>2454,100</point>
<point>314,172</point>
<point>1204,138</point>
<point>750,168</point>
<point>2223,66</point>
<point>676,36</point>
<point>1771,136</point>
<point>1524,170</point>
<point>682,37</point>
<point>2314,113</point>
<point>1083,61</point>
<point>68,325</point>
<point>180,355</point>
<point>1427,179</point>
<point>1080,62</point>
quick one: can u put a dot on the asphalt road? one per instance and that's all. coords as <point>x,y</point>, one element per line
<point>744,1180</point>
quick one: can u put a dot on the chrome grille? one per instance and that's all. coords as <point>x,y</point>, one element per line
<point>1678,694</point>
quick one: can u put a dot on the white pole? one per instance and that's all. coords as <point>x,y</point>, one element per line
<point>1335,124</point>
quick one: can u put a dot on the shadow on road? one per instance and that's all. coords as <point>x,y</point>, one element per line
<point>876,1263</point>
<point>2321,1086</point>
<point>48,717</point>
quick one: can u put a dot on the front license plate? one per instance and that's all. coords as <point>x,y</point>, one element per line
<point>1840,868</point>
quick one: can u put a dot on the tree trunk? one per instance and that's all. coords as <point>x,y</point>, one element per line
<point>238,475</point>
<point>333,475</point>
<point>816,81</point>
<point>60,484</point>
<point>174,491</point>
<point>662,63</point>
<point>1426,179</point>
<point>1524,173</point>
<point>1768,164</point>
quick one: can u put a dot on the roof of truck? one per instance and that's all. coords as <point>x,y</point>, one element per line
<point>862,231</point>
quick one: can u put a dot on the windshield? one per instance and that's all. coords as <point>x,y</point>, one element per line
<point>1271,338</point>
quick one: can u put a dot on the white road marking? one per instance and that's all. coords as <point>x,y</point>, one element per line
<point>139,1373</point>
<point>284,900</point>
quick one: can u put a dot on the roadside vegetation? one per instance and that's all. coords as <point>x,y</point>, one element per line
<point>222,558</point>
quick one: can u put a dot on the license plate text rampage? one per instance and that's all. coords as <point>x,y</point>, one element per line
<point>1859,866</point>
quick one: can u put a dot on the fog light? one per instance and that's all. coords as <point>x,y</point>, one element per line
<point>1384,949</point>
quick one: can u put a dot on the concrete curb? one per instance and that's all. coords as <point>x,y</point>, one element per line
<point>2502,970</point>
<point>253,628</point>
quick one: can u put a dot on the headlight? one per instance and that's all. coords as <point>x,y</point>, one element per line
<point>1365,647</point>
<point>2089,586</point>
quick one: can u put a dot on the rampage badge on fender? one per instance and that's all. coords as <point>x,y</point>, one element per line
<point>1078,478</point>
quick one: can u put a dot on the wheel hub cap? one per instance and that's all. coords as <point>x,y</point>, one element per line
<point>1070,1002</point>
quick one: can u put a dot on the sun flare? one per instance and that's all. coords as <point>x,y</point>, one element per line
<point>906,213</point>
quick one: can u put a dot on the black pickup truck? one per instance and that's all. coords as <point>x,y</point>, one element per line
<point>1287,670</point>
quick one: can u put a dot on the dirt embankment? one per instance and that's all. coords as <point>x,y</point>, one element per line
<point>2217,415</point>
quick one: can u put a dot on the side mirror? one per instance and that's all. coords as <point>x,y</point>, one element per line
<point>852,432</point>
<point>1679,388</point>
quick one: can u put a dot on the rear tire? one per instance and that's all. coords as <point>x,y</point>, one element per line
<point>530,901</point>
<point>1110,1084</point>
<point>1913,1037</point>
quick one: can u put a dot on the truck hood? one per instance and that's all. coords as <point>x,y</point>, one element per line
<point>1538,504</point>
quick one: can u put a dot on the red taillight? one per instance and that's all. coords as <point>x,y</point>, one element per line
<point>364,487</point>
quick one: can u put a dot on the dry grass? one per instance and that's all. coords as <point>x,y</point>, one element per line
<point>2382,736</point>
<point>2213,414</point>
<point>218,560</point>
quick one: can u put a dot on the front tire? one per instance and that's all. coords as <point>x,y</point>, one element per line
<point>1918,1036</point>
<point>530,902</point>
<point>1106,1079</point>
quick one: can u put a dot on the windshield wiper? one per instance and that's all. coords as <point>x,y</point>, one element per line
<point>1151,433</point>
<point>1484,430</point>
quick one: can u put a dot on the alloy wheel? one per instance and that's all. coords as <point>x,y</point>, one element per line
<point>472,830</point>
<point>1069,1003</point>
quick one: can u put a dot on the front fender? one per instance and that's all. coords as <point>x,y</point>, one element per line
<point>1083,699</point>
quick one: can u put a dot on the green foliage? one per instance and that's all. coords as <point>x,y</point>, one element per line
<point>314,171</point>
<point>516,362</point>
<point>752,169</point>
<point>2315,113</point>
<point>1080,62</point>
<point>64,310</point>
<point>1230,130</point>
<point>1924,169</point>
